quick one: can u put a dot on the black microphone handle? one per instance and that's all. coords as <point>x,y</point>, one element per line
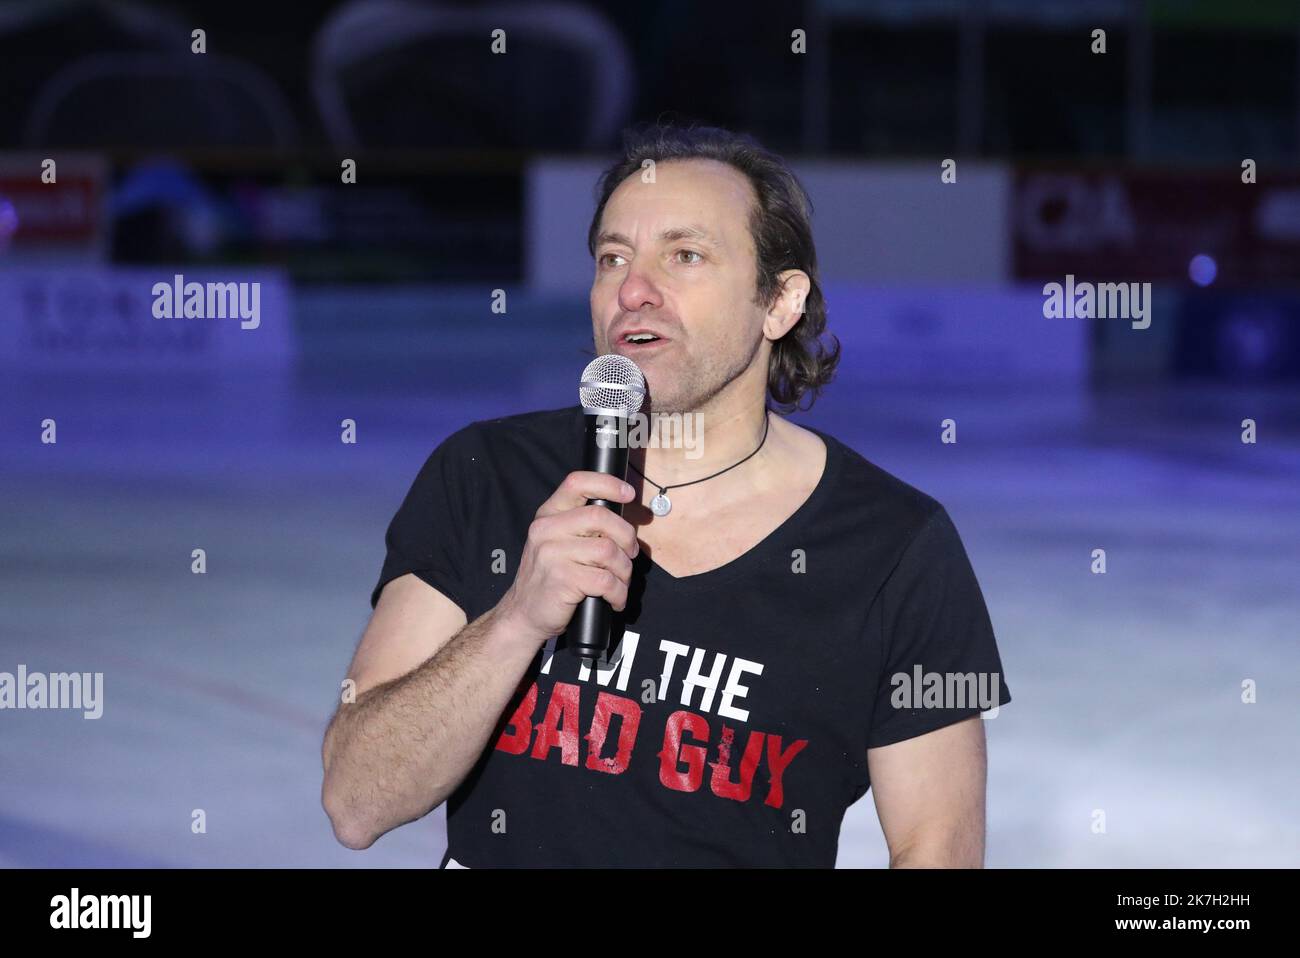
<point>604,450</point>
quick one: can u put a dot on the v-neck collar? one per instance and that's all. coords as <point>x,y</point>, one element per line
<point>777,544</point>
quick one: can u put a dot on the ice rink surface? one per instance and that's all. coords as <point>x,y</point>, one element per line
<point>1127,686</point>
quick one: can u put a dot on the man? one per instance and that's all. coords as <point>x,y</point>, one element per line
<point>768,625</point>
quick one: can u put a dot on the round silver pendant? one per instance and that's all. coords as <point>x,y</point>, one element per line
<point>660,505</point>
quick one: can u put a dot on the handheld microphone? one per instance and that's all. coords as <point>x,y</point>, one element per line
<point>611,391</point>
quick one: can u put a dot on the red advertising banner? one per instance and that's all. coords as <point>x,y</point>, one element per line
<point>63,218</point>
<point>1149,225</point>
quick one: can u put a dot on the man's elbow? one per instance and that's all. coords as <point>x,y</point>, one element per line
<point>353,837</point>
<point>349,830</point>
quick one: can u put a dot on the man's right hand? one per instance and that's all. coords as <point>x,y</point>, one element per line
<point>574,550</point>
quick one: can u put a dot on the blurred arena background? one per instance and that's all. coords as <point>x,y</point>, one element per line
<point>474,174</point>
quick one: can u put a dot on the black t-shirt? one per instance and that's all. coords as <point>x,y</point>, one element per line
<point>731,724</point>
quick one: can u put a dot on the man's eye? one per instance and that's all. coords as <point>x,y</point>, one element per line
<point>690,252</point>
<point>605,257</point>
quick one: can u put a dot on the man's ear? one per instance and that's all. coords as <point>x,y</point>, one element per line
<point>790,303</point>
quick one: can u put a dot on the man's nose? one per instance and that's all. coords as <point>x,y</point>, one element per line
<point>638,289</point>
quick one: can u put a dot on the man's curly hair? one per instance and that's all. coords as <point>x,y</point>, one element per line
<point>781,226</point>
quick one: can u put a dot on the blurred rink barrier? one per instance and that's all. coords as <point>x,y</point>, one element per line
<point>122,361</point>
<point>469,286</point>
<point>86,320</point>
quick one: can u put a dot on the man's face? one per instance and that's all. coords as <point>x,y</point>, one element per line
<point>675,257</point>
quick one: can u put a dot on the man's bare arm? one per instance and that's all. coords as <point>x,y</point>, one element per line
<point>431,688</point>
<point>425,706</point>
<point>929,793</point>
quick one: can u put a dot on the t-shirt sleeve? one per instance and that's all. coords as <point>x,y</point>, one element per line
<point>939,657</point>
<point>427,536</point>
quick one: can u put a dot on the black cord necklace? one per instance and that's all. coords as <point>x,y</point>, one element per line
<point>661,505</point>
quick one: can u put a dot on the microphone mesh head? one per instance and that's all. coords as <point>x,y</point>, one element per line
<point>612,384</point>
